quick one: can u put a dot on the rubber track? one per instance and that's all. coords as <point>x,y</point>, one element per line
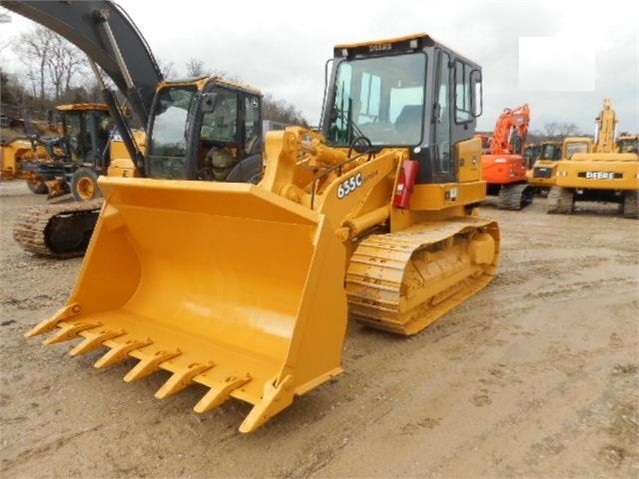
<point>39,229</point>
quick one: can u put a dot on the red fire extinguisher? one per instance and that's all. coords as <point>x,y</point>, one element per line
<point>405,184</point>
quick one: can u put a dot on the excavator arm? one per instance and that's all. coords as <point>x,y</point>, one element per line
<point>89,25</point>
<point>605,131</point>
<point>510,132</point>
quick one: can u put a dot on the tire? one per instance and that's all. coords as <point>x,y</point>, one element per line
<point>38,186</point>
<point>84,185</point>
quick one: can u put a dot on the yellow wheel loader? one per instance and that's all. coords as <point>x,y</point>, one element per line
<point>246,289</point>
<point>24,159</point>
<point>608,174</point>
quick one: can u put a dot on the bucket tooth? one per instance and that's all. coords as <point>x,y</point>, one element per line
<point>69,331</point>
<point>181,379</point>
<point>94,340</point>
<point>220,393</point>
<point>274,400</point>
<point>120,351</point>
<point>149,363</point>
<point>51,323</point>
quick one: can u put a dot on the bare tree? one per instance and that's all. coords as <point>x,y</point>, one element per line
<point>557,130</point>
<point>34,79</point>
<point>35,48</point>
<point>281,111</point>
<point>64,63</point>
<point>551,129</point>
<point>167,68</point>
<point>196,68</point>
<point>52,62</point>
<point>568,129</point>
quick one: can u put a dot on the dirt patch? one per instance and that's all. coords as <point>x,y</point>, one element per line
<point>536,376</point>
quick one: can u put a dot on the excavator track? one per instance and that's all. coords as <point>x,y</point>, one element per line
<point>402,282</point>
<point>560,201</point>
<point>631,204</point>
<point>57,231</point>
<point>514,197</point>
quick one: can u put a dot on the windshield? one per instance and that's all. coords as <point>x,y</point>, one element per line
<point>78,143</point>
<point>381,98</point>
<point>167,148</point>
<point>572,148</point>
<point>551,152</point>
<point>628,145</point>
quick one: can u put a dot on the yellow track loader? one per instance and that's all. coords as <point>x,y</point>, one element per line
<point>246,289</point>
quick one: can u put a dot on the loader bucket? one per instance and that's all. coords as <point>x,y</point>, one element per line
<point>225,285</point>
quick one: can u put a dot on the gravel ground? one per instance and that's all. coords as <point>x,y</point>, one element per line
<point>534,377</point>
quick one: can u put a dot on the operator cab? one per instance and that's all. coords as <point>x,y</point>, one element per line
<point>205,129</point>
<point>405,92</point>
<point>86,129</point>
<point>574,147</point>
<point>628,144</point>
<point>551,151</point>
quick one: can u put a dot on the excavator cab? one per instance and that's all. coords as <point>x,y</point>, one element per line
<point>542,175</point>
<point>207,129</point>
<point>574,145</point>
<point>551,151</point>
<point>628,144</point>
<point>531,154</point>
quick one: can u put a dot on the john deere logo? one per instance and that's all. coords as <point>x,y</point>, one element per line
<point>600,175</point>
<point>380,47</point>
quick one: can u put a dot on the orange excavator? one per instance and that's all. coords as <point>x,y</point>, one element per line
<point>504,168</point>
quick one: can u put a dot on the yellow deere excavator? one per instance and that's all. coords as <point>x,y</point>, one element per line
<point>542,175</point>
<point>246,289</point>
<point>609,174</point>
<point>225,145</point>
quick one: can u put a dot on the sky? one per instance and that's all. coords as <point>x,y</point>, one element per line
<point>561,57</point>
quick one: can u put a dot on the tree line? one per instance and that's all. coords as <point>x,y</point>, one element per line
<point>53,72</point>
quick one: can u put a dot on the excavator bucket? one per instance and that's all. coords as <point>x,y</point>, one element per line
<point>225,285</point>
